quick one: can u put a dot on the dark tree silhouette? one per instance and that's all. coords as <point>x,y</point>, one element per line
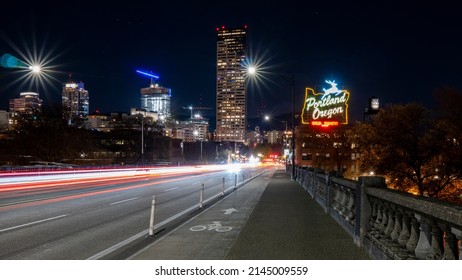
<point>409,145</point>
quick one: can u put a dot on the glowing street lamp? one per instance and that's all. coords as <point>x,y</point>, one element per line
<point>35,68</point>
<point>268,118</point>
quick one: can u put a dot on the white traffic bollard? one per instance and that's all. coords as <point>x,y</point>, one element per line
<point>153,209</point>
<point>201,202</point>
<point>223,187</point>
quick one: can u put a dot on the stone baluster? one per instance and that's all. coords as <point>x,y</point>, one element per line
<point>436,249</point>
<point>424,244</point>
<point>458,234</point>
<point>405,232</point>
<point>391,222</point>
<point>399,249</point>
<point>343,202</point>
<point>310,183</point>
<point>316,185</point>
<point>374,231</point>
<point>320,191</point>
<point>398,223</point>
<point>450,250</point>
<point>350,207</point>
<point>306,182</point>
<point>384,223</point>
<point>337,197</point>
<point>414,236</point>
<point>378,221</point>
<point>375,205</point>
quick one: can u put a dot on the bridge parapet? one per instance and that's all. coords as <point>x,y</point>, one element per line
<point>389,224</point>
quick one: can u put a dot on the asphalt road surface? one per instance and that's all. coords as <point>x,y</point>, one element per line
<point>93,217</point>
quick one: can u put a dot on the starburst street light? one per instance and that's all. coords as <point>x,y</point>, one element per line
<point>35,68</point>
<point>33,62</point>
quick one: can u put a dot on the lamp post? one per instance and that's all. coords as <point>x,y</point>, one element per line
<point>196,134</point>
<point>291,80</point>
<point>267,118</point>
<point>293,127</point>
<point>142,137</point>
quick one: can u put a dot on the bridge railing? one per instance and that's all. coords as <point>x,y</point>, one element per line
<point>388,223</point>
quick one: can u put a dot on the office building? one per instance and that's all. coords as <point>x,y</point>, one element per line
<point>156,99</point>
<point>231,96</point>
<point>28,103</point>
<point>27,107</point>
<point>75,102</point>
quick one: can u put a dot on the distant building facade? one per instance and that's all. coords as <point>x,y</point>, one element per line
<point>75,102</point>
<point>193,130</point>
<point>231,98</point>
<point>156,99</point>
<point>28,103</point>
<point>27,106</point>
<point>275,136</point>
<point>3,120</point>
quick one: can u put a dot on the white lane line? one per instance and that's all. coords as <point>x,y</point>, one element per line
<point>125,200</point>
<point>172,189</point>
<point>33,223</point>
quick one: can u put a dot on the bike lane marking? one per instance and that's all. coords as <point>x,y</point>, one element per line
<point>216,225</point>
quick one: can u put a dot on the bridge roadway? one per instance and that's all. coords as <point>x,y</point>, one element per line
<point>269,218</point>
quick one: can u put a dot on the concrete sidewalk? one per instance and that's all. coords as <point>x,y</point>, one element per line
<point>271,217</point>
<point>287,224</point>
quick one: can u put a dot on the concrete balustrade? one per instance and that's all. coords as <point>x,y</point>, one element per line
<point>389,224</point>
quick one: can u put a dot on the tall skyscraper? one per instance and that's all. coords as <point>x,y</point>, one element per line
<point>75,102</point>
<point>156,99</point>
<point>231,97</point>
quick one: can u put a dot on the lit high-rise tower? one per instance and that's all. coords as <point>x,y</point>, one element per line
<point>156,99</point>
<point>75,102</point>
<point>231,87</point>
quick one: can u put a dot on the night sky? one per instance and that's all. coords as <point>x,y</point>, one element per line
<point>399,52</point>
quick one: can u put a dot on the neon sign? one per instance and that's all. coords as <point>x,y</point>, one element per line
<point>326,109</point>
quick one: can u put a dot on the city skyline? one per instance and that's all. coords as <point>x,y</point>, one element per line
<point>398,52</point>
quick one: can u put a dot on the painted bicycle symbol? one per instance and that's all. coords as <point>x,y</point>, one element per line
<point>213,226</point>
